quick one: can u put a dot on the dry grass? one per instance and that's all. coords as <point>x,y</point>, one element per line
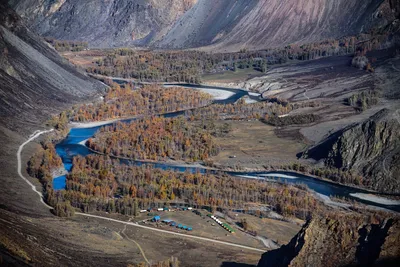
<point>255,145</point>
<point>279,231</point>
<point>240,75</point>
<point>14,248</point>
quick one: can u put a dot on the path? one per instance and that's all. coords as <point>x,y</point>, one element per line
<point>137,244</point>
<point>33,136</point>
<point>114,220</point>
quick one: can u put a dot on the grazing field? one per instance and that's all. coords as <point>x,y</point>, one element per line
<point>253,144</point>
<point>240,75</point>
<point>279,231</point>
<point>205,227</point>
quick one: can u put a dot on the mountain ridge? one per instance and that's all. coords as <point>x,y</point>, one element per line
<point>218,25</point>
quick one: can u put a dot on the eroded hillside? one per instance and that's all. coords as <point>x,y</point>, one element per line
<point>103,23</point>
<point>224,24</point>
<point>33,75</point>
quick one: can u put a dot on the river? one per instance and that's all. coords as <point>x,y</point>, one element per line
<point>70,147</point>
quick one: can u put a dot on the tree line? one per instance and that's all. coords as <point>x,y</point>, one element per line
<point>63,45</point>
<point>189,66</point>
<point>241,110</point>
<point>99,183</point>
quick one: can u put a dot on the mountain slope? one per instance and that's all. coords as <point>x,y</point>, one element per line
<point>371,148</point>
<point>341,240</point>
<point>102,23</point>
<point>224,24</point>
<point>255,24</point>
<point>33,75</point>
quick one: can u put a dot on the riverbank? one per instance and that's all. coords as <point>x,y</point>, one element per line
<point>376,199</point>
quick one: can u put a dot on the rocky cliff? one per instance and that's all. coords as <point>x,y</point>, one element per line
<point>224,24</point>
<point>34,80</point>
<point>371,148</point>
<point>340,240</point>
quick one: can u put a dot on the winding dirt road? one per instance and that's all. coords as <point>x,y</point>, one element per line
<point>33,136</point>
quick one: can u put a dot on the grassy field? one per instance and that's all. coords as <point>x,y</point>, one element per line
<point>240,75</point>
<point>205,227</point>
<point>253,144</point>
<point>279,231</point>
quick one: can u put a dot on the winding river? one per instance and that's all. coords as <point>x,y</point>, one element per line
<point>71,147</point>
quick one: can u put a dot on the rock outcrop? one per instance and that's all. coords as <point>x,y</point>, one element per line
<point>340,240</point>
<point>371,148</point>
<point>224,24</point>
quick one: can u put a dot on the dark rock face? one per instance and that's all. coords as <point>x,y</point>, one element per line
<point>343,241</point>
<point>34,80</point>
<point>371,148</point>
<point>224,24</point>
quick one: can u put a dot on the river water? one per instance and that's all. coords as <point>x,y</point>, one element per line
<point>70,147</point>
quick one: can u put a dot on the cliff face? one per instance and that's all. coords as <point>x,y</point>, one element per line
<point>371,148</point>
<point>34,80</point>
<point>344,240</point>
<point>224,24</point>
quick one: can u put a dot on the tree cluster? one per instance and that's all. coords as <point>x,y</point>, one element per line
<point>156,138</point>
<point>63,46</point>
<point>364,100</point>
<point>291,120</point>
<point>149,100</point>
<point>41,165</point>
<point>100,183</point>
<point>335,175</point>
<point>240,110</point>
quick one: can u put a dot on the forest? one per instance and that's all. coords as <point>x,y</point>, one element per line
<point>63,46</point>
<point>241,110</point>
<point>125,101</point>
<point>156,138</point>
<point>291,120</point>
<point>189,66</point>
<point>100,183</point>
<point>42,165</point>
<point>335,175</point>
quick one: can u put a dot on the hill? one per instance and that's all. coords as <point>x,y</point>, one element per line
<point>33,76</point>
<point>224,24</point>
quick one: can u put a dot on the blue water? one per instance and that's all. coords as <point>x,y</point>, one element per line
<point>70,147</point>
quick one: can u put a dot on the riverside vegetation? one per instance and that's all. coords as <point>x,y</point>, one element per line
<point>157,138</point>
<point>189,66</point>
